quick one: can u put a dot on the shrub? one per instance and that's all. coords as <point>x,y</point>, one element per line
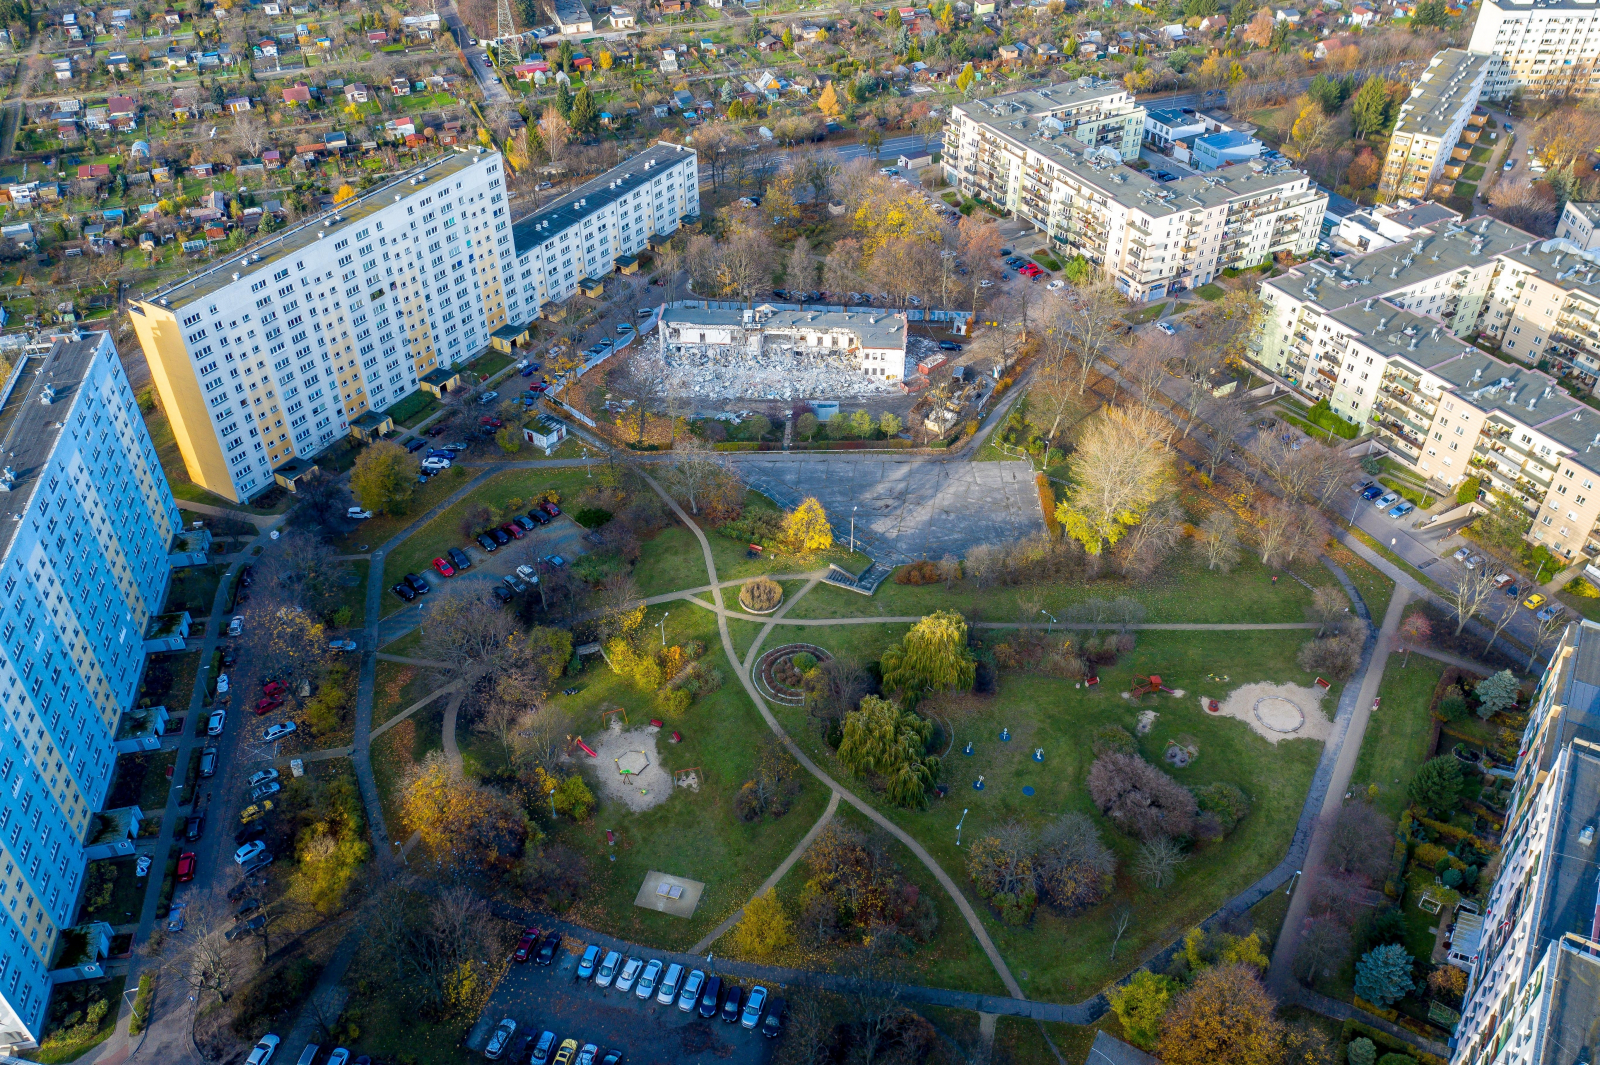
<point>761,594</point>
<point>804,662</point>
<point>1361,1051</point>
<point>924,572</point>
<point>1140,798</point>
<point>1225,802</point>
<point>1436,788</point>
<point>1467,491</point>
<point>1383,975</point>
<point>1583,589</point>
<point>1109,739</point>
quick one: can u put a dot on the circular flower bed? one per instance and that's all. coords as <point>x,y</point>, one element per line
<point>778,677</point>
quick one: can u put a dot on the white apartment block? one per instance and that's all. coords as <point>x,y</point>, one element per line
<point>872,341</point>
<point>1533,996</point>
<point>268,358</point>
<point>1580,223</point>
<point>89,522</point>
<point>1043,155</point>
<point>1544,47</point>
<point>1436,119</point>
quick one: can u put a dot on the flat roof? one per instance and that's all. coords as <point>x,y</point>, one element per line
<point>1421,215</point>
<point>1232,138</point>
<point>1398,333</point>
<point>1574,1002</point>
<point>32,427</point>
<point>1567,896</point>
<point>553,219</point>
<point>1452,80</point>
<point>877,329</point>
<point>263,253</point>
<point>1589,210</point>
<point>1173,116</point>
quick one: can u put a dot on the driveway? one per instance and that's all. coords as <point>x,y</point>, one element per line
<point>552,998</point>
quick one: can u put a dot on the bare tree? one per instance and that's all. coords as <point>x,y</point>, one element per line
<point>199,955</point>
<point>1147,365</point>
<point>745,264</point>
<point>1548,631</point>
<point>1120,920</point>
<point>1328,605</point>
<point>555,133</point>
<point>1359,839</point>
<point>1158,861</point>
<point>1217,540</point>
<point>1227,418</point>
<point>1468,591</point>
<point>470,634</point>
<point>1324,945</point>
<point>1090,317</point>
<point>699,471</point>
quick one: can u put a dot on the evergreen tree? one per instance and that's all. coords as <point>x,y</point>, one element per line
<point>585,115</point>
<point>1437,786</point>
<point>1383,975</point>
<point>564,100</point>
<point>1430,13</point>
<point>1370,112</point>
<point>1496,693</point>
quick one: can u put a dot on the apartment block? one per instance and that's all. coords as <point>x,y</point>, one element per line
<point>874,341</point>
<point>84,563</point>
<point>1580,223</point>
<point>270,357</point>
<point>1437,127</point>
<point>1546,48</point>
<point>1053,157</point>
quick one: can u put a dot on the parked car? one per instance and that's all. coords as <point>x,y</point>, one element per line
<point>711,997</point>
<point>1474,562</point>
<point>254,924</point>
<point>418,585</point>
<point>689,997</point>
<point>612,1057</point>
<point>435,464</point>
<point>753,1007</point>
<point>587,1055</point>
<point>222,683</point>
<point>357,514</point>
<point>443,568</point>
<point>608,969</point>
<point>271,787</point>
<point>278,732</point>
<point>261,777</point>
<point>404,591</point>
<point>514,583</point>
<point>343,645</point>
<point>208,762</point>
<point>485,541</point>
<point>501,593</point>
<point>1554,610</point>
<point>193,826</point>
<point>187,862</point>
<point>526,945</point>
<point>586,963</point>
<point>730,1005</point>
<point>254,812</point>
<point>629,973</point>
<point>513,530</point>
<point>525,523</point>
<point>1400,510</point>
<point>547,949</point>
<point>527,574</point>
<point>569,1047</point>
<point>248,851</point>
<point>1534,601</point>
<point>648,978</point>
<point>263,1051</point>
<point>1463,554</point>
<point>489,397</point>
<point>1166,327</point>
<point>1372,491</point>
<point>772,1027</point>
<point>1387,500</point>
<point>500,1039</point>
<point>416,445</point>
<point>669,984</point>
<point>539,516</point>
<point>949,345</point>
<point>459,559</point>
<point>543,1048</point>
<point>550,509</point>
<point>340,1056</point>
<point>269,704</point>
<point>437,430</point>
<point>499,536</point>
<point>216,722</point>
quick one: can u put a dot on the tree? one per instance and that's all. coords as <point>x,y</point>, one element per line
<point>1467,591</point>
<point>882,739</point>
<point>1502,527</point>
<point>321,503</point>
<point>806,529</point>
<point>932,656</point>
<point>1121,468</point>
<point>1002,871</point>
<point>1259,31</point>
<point>384,477</point>
<point>702,475</point>
<point>465,827</point>
<point>1227,418</point>
<point>1225,1016</point>
<point>1359,839</point>
<point>1140,798</point>
<point>1437,785</point>
<point>1496,694</point>
<point>1217,541</point>
<point>828,102</point>
<point>1328,605</point>
<point>1383,975</point>
<point>1430,13</point>
<point>765,930</point>
<point>834,688</point>
<point>965,79</point>
<point>1140,1004</point>
<point>1324,945</point>
<point>801,270</point>
<point>1363,171</point>
<point>345,193</point>
<point>471,635</point>
<point>743,264</point>
<point>554,132</point>
<point>1075,867</point>
<point>1416,631</point>
<point>1361,1051</point>
<point>1158,861</point>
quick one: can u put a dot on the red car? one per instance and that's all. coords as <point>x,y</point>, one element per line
<point>526,945</point>
<point>186,866</point>
<point>1030,271</point>
<point>445,569</point>
<point>491,421</point>
<point>550,509</point>
<point>267,705</point>
<point>514,529</point>
<point>273,687</point>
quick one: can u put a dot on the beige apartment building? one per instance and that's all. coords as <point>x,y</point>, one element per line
<point>1053,157</point>
<point>1546,48</point>
<point>1437,128</point>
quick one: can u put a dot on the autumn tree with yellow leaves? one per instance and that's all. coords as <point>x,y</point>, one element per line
<point>806,529</point>
<point>1121,468</point>
<point>765,929</point>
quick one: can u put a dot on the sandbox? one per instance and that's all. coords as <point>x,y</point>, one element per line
<point>1275,711</point>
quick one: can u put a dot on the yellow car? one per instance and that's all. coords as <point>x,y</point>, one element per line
<point>564,1055</point>
<point>1534,601</point>
<point>254,811</point>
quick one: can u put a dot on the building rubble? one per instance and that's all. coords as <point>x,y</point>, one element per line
<point>719,372</point>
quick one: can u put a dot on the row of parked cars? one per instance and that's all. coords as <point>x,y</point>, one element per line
<point>263,1052</point>
<point>1383,499</point>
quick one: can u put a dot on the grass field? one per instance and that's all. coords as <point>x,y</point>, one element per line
<point>1047,713</point>
<point>381,527</point>
<point>672,559</point>
<point>1396,739</point>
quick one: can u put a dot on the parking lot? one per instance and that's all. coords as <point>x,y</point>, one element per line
<point>552,997</point>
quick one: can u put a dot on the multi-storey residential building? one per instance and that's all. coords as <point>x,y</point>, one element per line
<point>1436,127</point>
<point>84,544</point>
<point>1580,223</point>
<point>874,341</point>
<point>1042,154</point>
<point>1543,47</point>
<point>1544,305</point>
<point>271,356</point>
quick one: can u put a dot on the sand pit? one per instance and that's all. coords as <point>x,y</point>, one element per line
<point>1276,711</point>
<point>649,785</point>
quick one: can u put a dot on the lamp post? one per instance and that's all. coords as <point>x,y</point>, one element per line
<point>958,826</point>
<point>1052,617</point>
<point>588,471</point>
<point>853,529</point>
<point>662,625</point>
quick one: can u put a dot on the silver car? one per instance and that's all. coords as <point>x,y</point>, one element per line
<point>669,986</point>
<point>608,970</point>
<point>629,973</point>
<point>647,980</point>
<point>689,998</point>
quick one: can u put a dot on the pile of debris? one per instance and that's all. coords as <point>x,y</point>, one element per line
<point>724,373</point>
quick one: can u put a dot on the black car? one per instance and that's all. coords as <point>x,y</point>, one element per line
<point>772,1024</point>
<point>249,832</point>
<point>247,576</point>
<point>208,762</point>
<point>539,516</point>
<point>731,1004</point>
<point>502,593</point>
<point>525,523</point>
<point>404,591</point>
<point>459,559</point>
<point>416,445</point>
<point>501,537</point>
<point>193,827</point>
<point>486,542</point>
<point>228,659</point>
<point>547,949</point>
<point>418,585</point>
<point>949,345</point>
<point>711,997</point>
<point>437,430</point>
<point>612,1057</point>
<point>254,924</point>
<point>250,906</point>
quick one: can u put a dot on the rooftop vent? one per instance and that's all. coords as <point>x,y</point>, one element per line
<point>47,396</point>
<point>236,275</point>
<point>1586,837</point>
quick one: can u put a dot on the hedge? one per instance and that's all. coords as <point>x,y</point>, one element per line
<point>895,444</point>
<point>1047,501</point>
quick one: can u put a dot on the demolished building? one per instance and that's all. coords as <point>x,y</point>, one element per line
<point>872,342</point>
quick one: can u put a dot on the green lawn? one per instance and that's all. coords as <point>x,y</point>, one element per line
<point>72,1000</point>
<point>443,532</point>
<point>193,588</point>
<point>178,475</point>
<point>1047,713</point>
<point>1145,314</point>
<point>1183,591</point>
<point>415,407</point>
<point>1472,173</point>
<point>1396,740</point>
<point>672,560</point>
<point>1210,292</point>
<point>381,527</point>
<point>127,896</point>
<point>1464,190</point>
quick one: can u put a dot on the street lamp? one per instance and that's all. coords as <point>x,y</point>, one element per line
<point>662,625</point>
<point>853,529</point>
<point>958,826</point>
<point>1052,617</point>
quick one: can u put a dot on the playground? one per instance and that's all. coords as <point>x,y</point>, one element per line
<point>1275,712</point>
<point>627,764</point>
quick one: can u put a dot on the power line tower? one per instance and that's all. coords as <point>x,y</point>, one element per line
<point>507,44</point>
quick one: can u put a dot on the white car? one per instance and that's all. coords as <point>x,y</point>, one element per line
<point>248,851</point>
<point>278,732</point>
<point>689,997</point>
<point>357,514</point>
<point>499,1039</point>
<point>629,973</point>
<point>1462,554</point>
<point>489,396</point>
<point>216,722</point>
<point>222,684</point>
<point>340,1056</point>
<point>647,979</point>
<point>142,866</point>
<point>1166,327</point>
<point>986,283</point>
<point>263,1051</point>
<point>669,984</point>
<point>436,464</point>
<point>608,969</point>
<point>257,779</point>
<point>1056,284</point>
<point>236,626</point>
<point>527,574</point>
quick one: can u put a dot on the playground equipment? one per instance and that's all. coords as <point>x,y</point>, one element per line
<point>632,763</point>
<point>577,741</point>
<point>1150,685</point>
<point>605,714</point>
<point>687,778</point>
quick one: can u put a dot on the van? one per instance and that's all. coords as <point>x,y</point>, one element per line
<point>644,312</point>
<point>308,1055</point>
